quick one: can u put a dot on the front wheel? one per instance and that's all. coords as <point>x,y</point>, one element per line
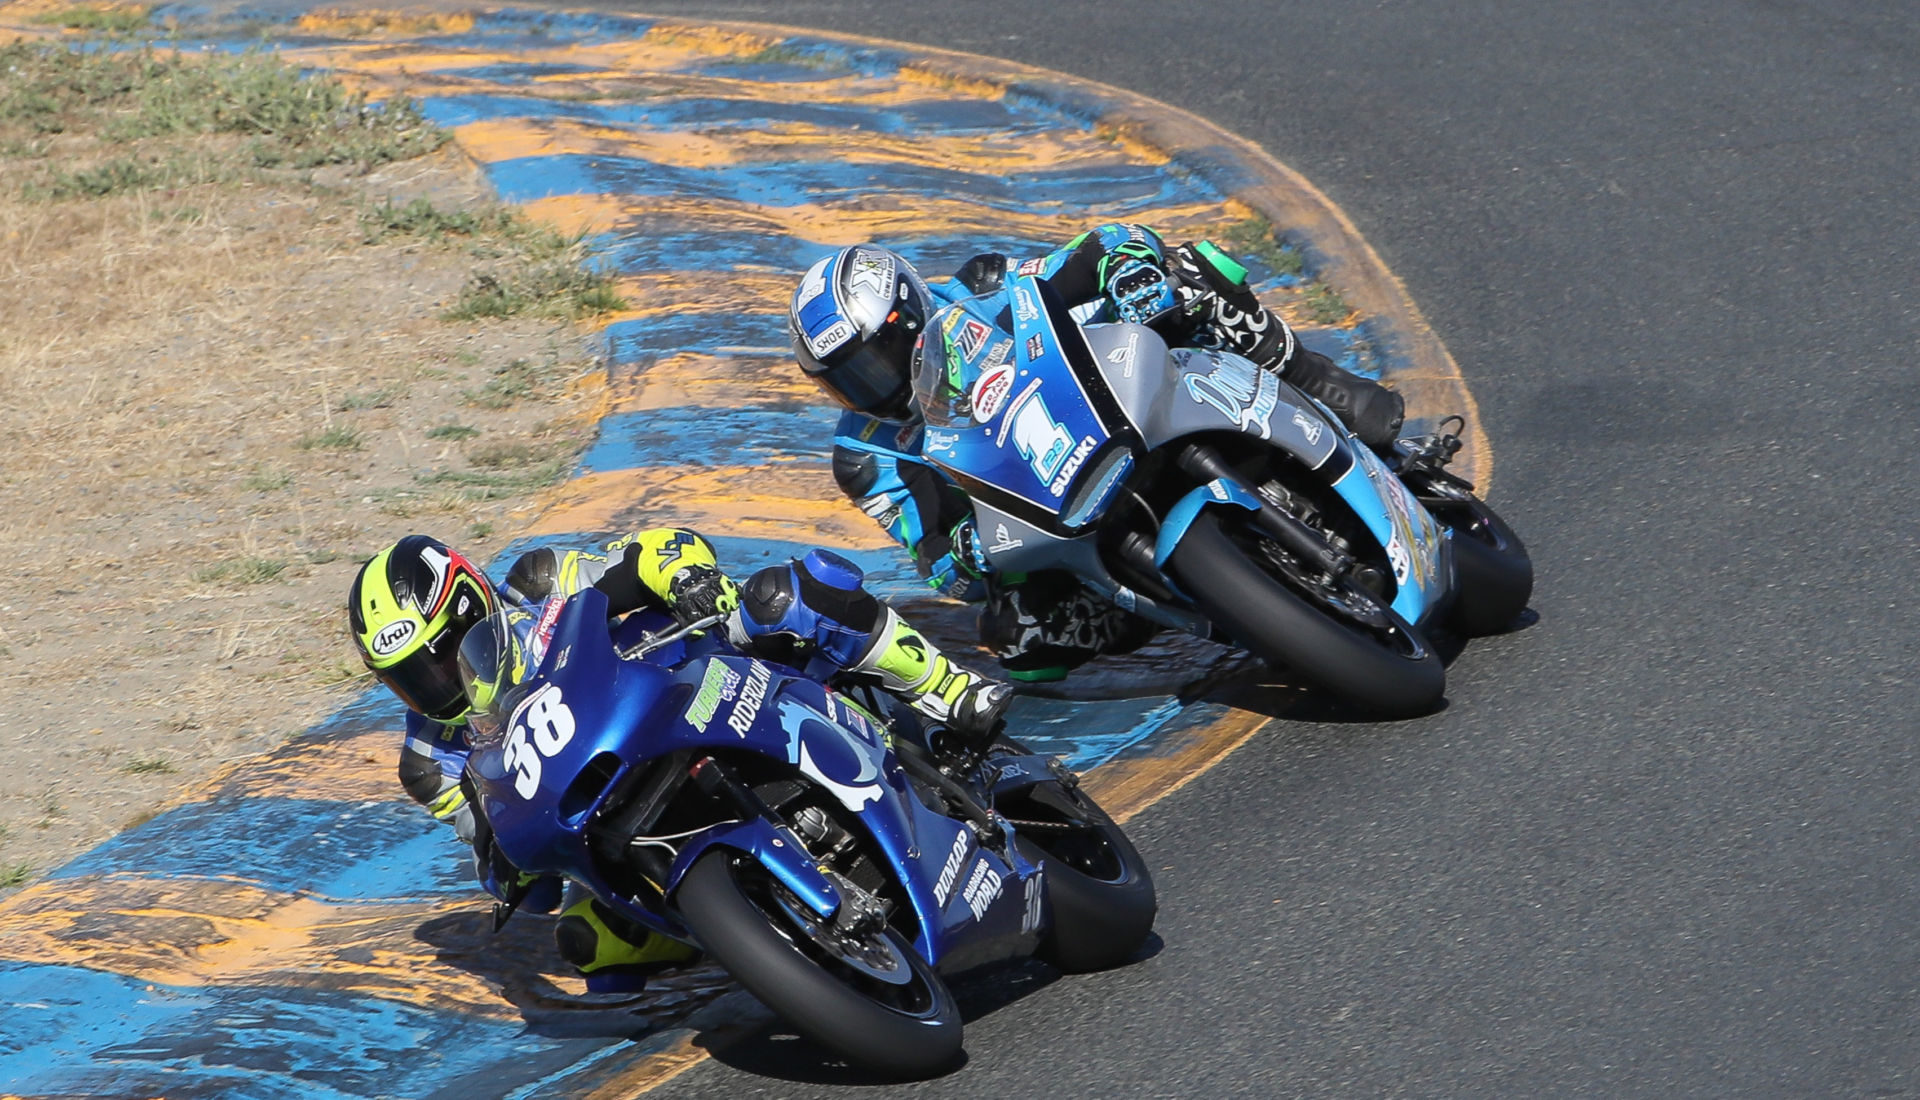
<point>867,995</point>
<point>1355,647</point>
<point>1490,563</point>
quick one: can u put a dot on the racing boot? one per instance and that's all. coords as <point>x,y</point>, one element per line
<point>1370,410</point>
<point>614,954</point>
<point>913,669</point>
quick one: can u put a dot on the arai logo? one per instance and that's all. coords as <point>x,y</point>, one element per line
<point>394,637</point>
<point>990,392</point>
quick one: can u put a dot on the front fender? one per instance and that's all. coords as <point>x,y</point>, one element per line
<point>1216,493</point>
<point>772,847</point>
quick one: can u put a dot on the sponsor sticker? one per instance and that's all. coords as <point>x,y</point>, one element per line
<point>1036,347</point>
<point>831,337</point>
<point>394,637</point>
<point>1308,426</point>
<point>950,870</point>
<point>1002,541</point>
<point>1024,308</point>
<point>752,694</point>
<point>973,336</point>
<point>990,391</point>
<point>873,270</point>
<point>716,687</point>
<point>983,887</point>
<point>1034,266</point>
<point>1240,392</point>
<point>1074,461</point>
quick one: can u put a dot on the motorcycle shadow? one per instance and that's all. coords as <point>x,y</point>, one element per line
<point>522,964</point>
<point>752,1040</point>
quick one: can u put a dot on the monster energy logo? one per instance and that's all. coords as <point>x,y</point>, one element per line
<point>718,687</point>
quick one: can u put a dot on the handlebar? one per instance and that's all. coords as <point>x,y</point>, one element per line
<point>651,642</point>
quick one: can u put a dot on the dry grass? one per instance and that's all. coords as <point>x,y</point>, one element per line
<point>179,369</point>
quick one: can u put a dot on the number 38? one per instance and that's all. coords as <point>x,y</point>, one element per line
<point>547,720</point>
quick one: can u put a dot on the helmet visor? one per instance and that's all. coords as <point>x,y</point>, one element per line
<point>427,680</point>
<point>873,377</point>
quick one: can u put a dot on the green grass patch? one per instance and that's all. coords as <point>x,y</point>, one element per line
<point>478,485</point>
<point>514,455</point>
<point>1324,304</point>
<point>452,432</point>
<point>1256,238</point>
<point>382,398</point>
<point>509,384</point>
<point>106,21</point>
<point>249,570</point>
<point>420,218</point>
<point>153,766</point>
<point>340,437</point>
<point>15,875</point>
<point>266,481</point>
<point>142,108</point>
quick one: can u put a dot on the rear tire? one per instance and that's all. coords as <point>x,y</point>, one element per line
<point>1097,885</point>
<point>1398,676</point>
<point>906,1030</point>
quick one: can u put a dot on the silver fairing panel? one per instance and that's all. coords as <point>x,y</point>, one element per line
<point>1167,394</point>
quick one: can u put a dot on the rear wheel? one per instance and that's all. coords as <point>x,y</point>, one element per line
<point>1346,640</point>
<point>1097,885</point>
<point>866,994</point>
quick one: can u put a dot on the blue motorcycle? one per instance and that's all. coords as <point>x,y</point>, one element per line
<point>835,870</point>
<point>1192,488</point>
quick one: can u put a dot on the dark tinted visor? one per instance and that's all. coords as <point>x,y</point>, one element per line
<point>873,378</point>
<point>428,681</point>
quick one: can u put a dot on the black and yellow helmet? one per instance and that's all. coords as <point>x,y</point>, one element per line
<point>409,608</point>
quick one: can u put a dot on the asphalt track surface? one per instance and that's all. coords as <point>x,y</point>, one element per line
<point>1662,843</point>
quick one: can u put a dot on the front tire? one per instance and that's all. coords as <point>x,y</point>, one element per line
<point>887,1010</point>
<point>1490,564</point>
<point>1392,673</point>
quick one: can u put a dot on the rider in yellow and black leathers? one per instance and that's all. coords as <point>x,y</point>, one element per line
<point>412,603</point>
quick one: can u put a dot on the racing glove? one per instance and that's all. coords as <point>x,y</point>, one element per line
<point>699,591</point>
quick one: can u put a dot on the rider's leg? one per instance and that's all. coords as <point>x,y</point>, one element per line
<point>1047,624</point>
<point>814,608</point>
<point>614,954</point>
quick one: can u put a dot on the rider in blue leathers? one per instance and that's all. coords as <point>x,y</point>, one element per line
<point>863,319</point>
<point>412,605</point>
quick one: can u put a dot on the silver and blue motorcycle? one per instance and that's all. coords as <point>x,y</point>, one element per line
<point>1194,489</point>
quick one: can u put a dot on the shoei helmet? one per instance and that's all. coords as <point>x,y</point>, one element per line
<point>854,322</point>
<point>409,607</point>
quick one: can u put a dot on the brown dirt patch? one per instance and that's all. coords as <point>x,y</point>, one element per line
<point>214,402</point>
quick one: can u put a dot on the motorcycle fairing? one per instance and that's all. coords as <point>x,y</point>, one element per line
<point>1417,549</point>
<point>968,915</point>
<point>1181,516</point>
<point>1170,393</point>
<point>1031,444</point>
<point>618,713</point>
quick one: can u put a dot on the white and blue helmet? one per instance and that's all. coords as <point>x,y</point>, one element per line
<point>855,321</point>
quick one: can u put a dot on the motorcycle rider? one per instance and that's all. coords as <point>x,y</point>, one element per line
<point>412,604</point>
<point>862,320</point>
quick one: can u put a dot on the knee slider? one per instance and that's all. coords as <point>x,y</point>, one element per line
<point>768,595</point>
<point>578,941</point>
